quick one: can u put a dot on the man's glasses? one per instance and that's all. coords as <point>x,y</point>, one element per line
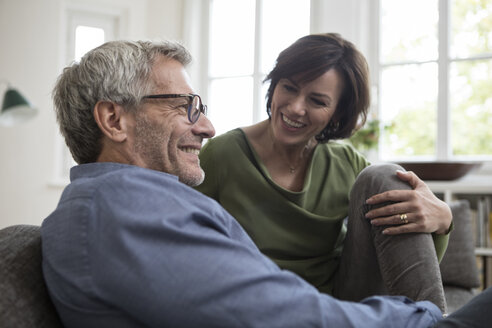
<point>193,104</point>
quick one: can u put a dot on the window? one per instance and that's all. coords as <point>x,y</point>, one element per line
<point>435,79</point>
<point>87,38</point>
<point>245,38</point>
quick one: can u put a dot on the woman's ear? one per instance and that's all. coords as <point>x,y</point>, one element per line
<point>111,119</point>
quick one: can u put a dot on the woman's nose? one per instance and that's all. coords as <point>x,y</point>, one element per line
<point>298,106</point>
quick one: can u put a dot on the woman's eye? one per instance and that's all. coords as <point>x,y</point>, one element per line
<point>289,88</point>
<point>318,102</point>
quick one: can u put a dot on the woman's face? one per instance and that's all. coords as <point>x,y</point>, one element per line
<point>301,111</point>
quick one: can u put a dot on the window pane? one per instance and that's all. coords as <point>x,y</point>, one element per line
<point>409,30</point>
<point>280,30</point>
<point>471,102</point>
<point>409,107</point>
<point>471,32</point>
<point>264,90</point>
<point>87,38</point>
<point>231,103</point>
<point>232,29</point>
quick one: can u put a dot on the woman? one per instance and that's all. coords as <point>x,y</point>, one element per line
<point>288,183</point>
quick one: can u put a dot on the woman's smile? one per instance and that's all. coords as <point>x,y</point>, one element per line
<point>292,124</point>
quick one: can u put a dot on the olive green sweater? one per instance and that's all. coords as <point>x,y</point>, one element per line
<point>300,231</point>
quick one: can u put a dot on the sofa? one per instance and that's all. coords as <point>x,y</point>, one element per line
<point>459,272</point>
<point>24,300</point>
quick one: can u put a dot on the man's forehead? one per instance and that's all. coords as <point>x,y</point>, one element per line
<point>170,76</point>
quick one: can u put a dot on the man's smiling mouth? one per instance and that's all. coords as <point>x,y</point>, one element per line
<point>190,150</point>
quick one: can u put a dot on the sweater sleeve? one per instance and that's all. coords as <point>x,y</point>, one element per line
<point>356,159</point>
<point>210,186</point>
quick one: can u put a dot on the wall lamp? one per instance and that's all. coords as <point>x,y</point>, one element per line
<point>15,108</point>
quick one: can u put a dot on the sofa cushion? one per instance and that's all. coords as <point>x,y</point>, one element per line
<point>458,266</point>
<point>24,299</point>
<point>456,297</point>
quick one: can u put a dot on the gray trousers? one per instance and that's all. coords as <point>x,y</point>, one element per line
<point>377,264</point>
<point>474,314</point>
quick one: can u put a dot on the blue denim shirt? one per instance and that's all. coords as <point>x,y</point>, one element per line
<point>132,247</point>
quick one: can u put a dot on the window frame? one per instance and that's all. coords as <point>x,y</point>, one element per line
<point>443,151</point>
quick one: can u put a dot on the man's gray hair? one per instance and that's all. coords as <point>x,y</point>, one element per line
<point>117,71</point>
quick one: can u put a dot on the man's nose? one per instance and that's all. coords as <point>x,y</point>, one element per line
<point>203,127</point>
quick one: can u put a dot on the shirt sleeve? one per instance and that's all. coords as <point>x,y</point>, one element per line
<point>187,263</point>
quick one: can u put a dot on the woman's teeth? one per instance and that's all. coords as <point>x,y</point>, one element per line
<point>291,123</point>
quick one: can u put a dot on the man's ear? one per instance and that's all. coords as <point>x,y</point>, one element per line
<point>112,120</point>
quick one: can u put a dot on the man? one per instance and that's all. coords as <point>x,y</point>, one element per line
<point>132,245</point>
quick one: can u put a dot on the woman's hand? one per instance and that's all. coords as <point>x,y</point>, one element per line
<point>416,210</point>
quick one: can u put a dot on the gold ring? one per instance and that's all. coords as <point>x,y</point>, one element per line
<point>403,218</point>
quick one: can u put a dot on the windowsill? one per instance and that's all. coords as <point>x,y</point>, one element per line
<point>478,181</point>
<point>473,183</point>
<point>485,169</point>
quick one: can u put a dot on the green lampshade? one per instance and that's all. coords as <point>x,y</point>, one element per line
<point>15,108</point>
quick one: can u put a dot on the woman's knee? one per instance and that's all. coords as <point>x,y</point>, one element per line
<point>376,179</point>
<point>379,171</point>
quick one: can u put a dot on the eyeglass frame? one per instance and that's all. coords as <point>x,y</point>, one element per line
<point>191,96</point>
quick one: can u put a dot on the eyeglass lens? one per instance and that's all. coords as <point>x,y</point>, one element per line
<point>194,111</point>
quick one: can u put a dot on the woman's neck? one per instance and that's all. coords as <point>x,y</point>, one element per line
<point>284,157</point>
<point>287,166</point>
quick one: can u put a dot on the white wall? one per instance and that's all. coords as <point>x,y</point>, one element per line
<point>30,38</point>
<point>28,59</point>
